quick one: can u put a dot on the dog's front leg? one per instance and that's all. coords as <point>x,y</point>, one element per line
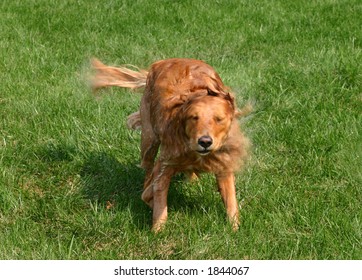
<point>160,188</point>
<point>155,194</point>
<point>226,185</point>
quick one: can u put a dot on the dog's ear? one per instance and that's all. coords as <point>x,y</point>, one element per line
<point>229,97</point>
<point>226,95</point>
<point>216,88</point>
<point>211,92</point>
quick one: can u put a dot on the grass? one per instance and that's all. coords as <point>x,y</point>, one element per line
<point>69,184</point>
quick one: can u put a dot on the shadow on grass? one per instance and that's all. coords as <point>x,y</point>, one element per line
<point>108,182</point>
<point>117,186</point>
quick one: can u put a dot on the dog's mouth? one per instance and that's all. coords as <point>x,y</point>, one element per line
<point>203,152</point>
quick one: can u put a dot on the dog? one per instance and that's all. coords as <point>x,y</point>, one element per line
<point>190,117</point>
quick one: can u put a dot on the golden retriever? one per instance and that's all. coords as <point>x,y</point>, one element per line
<point>189,114</point>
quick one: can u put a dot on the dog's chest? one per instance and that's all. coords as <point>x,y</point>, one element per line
<point>199,164</point>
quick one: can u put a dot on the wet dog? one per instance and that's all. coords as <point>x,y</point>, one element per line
<point>189,116</point>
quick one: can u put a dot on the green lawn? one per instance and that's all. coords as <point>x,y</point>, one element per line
<point>69,182</point>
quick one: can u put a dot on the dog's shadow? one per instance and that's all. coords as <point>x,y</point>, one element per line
<point>114,185</point>
<point>108,182</point>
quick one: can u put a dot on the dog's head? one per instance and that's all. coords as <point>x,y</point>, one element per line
<point>207,121</point>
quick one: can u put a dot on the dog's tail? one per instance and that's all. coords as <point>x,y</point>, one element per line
<point>107,76</point>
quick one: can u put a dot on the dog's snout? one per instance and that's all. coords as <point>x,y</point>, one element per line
<point>205,141</point>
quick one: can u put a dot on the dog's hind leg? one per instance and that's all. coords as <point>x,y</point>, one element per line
<point>134,121</point>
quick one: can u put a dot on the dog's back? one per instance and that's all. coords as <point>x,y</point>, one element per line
<point>171,82</point>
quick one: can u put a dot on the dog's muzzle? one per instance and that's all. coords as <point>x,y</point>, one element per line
<point>204,144</point>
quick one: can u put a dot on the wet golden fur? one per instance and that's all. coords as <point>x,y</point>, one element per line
<point>190,117</point>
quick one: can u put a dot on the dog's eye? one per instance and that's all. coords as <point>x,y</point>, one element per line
<point>194,118</point>
<point>219,119</point>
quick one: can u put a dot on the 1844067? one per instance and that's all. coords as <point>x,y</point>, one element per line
<point>228,270</point>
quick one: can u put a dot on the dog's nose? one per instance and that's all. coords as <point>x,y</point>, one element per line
<point>205,141</point>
